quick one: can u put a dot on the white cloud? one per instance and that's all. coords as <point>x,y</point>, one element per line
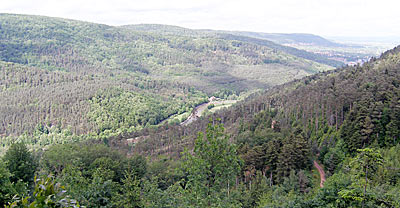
<point>332,18</point>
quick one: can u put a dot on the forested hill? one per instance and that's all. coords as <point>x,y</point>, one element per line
<point>323,102</point>
<point>290,50</point>
<point>266,39</point>
<point>345,122</point>
<point>83,108</point>
<point>348,120</point>
<point>61,78</point>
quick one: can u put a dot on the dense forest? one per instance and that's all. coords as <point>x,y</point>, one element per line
<point>308,46</point>
<point>65,80</point>
<point>346,120</point>
<point>273,41</point>
<point>84,106</point>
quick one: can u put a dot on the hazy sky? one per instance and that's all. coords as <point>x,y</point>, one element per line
<point>322,17</point>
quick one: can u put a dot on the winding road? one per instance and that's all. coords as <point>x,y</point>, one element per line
<point>321,173</point>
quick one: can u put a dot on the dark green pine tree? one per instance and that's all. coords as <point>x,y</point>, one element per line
<point>295,154</point>
<point>367,129</point>
<point>303,152</point>
<point>286,160</point>
<point>20,162</point>
<point>350,131</point>
<point>364,121</point>
<point>393,127</point>
<point>271,158</point>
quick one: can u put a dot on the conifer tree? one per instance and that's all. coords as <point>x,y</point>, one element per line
<point>20,162</point>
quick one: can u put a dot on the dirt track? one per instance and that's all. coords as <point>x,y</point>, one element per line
<point>321,173</point>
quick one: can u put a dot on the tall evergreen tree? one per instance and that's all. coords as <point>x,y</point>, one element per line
<point>20,162</point>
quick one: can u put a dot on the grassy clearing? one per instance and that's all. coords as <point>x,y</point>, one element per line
<point>223,104</point>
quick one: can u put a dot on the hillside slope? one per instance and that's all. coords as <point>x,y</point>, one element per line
<point>249,37</point>
<point>320,104</point>
<point>55,70</point>
<point>347,119</point>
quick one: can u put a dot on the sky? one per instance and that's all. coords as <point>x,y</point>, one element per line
<point>353,18</point>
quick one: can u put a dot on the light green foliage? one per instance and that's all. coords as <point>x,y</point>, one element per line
<point>364,167</point>
<point>130,192</point>
<point>279,198</point>
<point>390,171</point>
<point>52,135</point>
<point>82,155</point>
<point>207,177</point>
<point>287,194</point>
<point>172,197</point>
<point>211,170</point>
<point>95,174</point>
<point>116,110</point>
<point>7,190</point>
<point>136,165</point>
<point>166,171</point>
<point>102,189</point>
<point>47,194</point>
<point>328,196</point>
<point>366,163</point>
<point>76,182</point>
